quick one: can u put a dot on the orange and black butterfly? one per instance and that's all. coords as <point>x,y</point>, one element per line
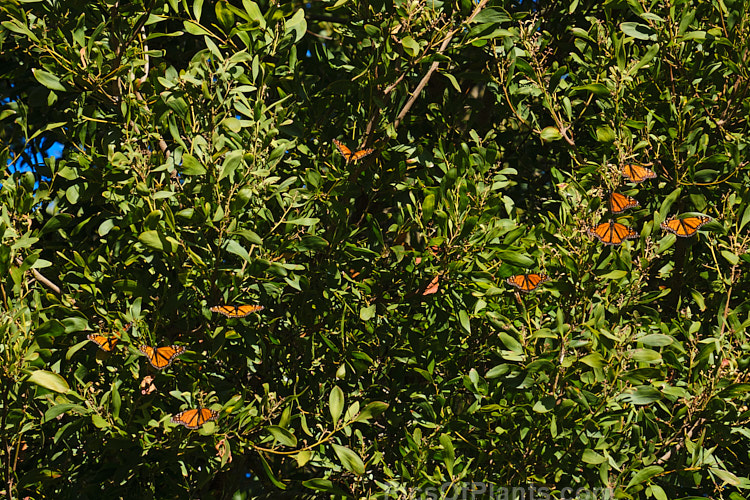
<point>236,311</point>
<point>192,419</point>
<point>685,227</point>
<point>527,282</point>
<point>637,173</point>
<point>618,203</point>
<point>106,342</point>
<point>612,233</point>
<point>161,357</point>
<point>349,155</point>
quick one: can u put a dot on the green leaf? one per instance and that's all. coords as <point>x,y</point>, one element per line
<point>283,436</point>
<point>349,459</point>
<point>249,236</point>
<point>638,31</point>
<point>303,221</point>
<point>615,275</point>
<point>232,123</point>
<point>296,23</point>
<point>551,134</point>
<point>48,80</point>
<point>449,457</point>
<point>642,395</point>
<point>367,313</point>
<point>644,475</point>
<point>235,248</point>
<point>336,403</point>
<point>594,360</point>
<point>515,258</point>
<point>591,457</point>
<point>152,240</point>
<point>231,162</point>
<point>57,410</point>
<point>269,473</point>
<point>655,339</point>
<point>198,9</point>
<point>319,484</point>
<point>463,318</point>
<point>49,380</point>
<point>411,47</point>
<point>372,410</point>
<point>99,421</point>
<point>254,12</point>
<point>195,29</point>
<point>191,165</point>
<point>595,88</point>
<point>604,133</point>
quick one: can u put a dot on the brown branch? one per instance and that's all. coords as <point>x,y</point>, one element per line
<point>433,67</point>
<point>43,280</point>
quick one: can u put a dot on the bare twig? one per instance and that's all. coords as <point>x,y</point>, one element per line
<point>433,67</point>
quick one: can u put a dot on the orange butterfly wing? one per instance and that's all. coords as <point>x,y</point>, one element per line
<point>236,311</point>
<point>192,419</point>
<point>637,173</point>
<point>433,286</point>
<point>685,227</point>
<point>612,233</point>
<point>104,343</point>
<point>348,154</point>
<point>161,357</point>
<point>527,282</point>
<point>619,202</point>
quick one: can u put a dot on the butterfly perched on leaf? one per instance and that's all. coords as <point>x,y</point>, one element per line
<point>161,357</point>
<point>192,419</point>
<point>637,173</point>
<point>350,155</point>
<point>685,227</point>
<point>236,311</point>
<point>618,203</point>
<point>527,282</point>
<point>612,233</point>
<point>106,342</point>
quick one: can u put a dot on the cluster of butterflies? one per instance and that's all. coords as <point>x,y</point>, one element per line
<point>162,357</point>
<point>614,233</point>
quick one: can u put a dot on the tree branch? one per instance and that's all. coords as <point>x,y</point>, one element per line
<point>433,67</point>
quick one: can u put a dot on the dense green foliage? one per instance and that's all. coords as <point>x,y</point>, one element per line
<point>198,169</point>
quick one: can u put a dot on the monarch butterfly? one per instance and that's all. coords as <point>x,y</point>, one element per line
<point>349,155</point>
<point>433,286</point>
<point>236,311</point>
<point>106,343</point>
<point>685,227</point>
<point>527,282</point>
<point>192,419</point>
<point>637,173</point>
<point>161,357</point>
<point>612,233</point>
<point>618,203</point>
